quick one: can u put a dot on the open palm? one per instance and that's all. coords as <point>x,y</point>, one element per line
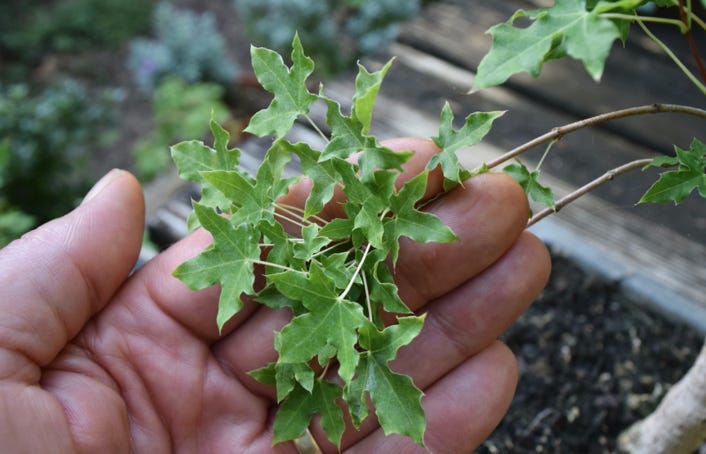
<point>93,359</point>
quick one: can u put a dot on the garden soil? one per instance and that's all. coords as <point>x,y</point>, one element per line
<point>591,364</point>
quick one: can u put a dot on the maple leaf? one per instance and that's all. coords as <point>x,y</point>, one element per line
<point>566,28</point>
<point>330,326</point>
<point>676,185</point>
<point>410,222</point>
<point>323,176</point>
<point>476,126</point>
<point>193,157</point>
<point>348,136</point>
<point>291,96</point>
<point>367,86</point>
<point>530,183</point>
<point>366,200</point>
<point>295,413</point>
<point>397,401</point>
<point>285,376</point>
<point>253,199</point>
<point>228,261</point>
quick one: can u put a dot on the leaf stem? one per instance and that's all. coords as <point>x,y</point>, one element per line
<point>277,265</point>
<point>355,274</point>
<point>367,298</point>
<point>686,19</point>
<point>296,220</point>
<point>606,177</point>
<point>557,133</point>
<point>300,212</point>
<point>658,20</point>
<point>316,128</point>
<point>674,58</point>
<point>546,153</point>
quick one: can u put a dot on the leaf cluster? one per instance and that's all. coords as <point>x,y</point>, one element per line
<point>334,275</point>
<point>584,30</point>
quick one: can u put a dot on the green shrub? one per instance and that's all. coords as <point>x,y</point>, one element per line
<point>30,28</point>
<point>187,45</point>
<point>335,32</point>
<point>13,222</point>
<point>47,140</point>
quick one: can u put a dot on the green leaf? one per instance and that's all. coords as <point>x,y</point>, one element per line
<point>311,242</point>
<point>676,185</point>
<point>476,126</point>
<point>253,199</point>
<point>323,175</point>
<point>288,85</point>
<point>228,261</point>
<point>397,401</point>
<point>566,28</point>
<point>193,157</point>
<point>530,183</point>
<point>366,201</point>
<point>330,327</point>
<point>295,413</point>
<point>410,222</point>
<point>367,86</point>
<point>348,136</point>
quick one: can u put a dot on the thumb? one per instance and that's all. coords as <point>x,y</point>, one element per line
<point>56,277</point>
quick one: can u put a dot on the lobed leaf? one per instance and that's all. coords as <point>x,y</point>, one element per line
<point>397,401</point>
<point>566,28</point>
<point>229,261</point>
<point>677,185</point>
<point>450,140</point>
<point>530,183</point>
<point>291,95</point>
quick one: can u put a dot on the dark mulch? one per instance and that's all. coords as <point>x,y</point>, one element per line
<point>591,365</point>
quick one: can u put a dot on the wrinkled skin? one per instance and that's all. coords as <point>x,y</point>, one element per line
<point>95,360</point>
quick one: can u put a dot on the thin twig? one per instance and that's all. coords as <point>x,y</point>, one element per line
<point>557,133</point>
<point>690,38</point>
<point>695,80</point>
<point>606,177</point>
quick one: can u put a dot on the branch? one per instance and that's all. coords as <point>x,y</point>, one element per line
<point>557,133</point>
<point>695,80</point>
<point>608,176</point>
<point>690,38</point>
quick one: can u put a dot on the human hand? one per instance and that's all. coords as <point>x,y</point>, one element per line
<point>95,360</point>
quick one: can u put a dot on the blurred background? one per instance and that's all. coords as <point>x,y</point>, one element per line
<point>88,85</point>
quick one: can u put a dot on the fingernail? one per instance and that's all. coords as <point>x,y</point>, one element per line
<point>102,183</point>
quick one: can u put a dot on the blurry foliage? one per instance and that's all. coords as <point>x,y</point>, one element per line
<point>13,222</point>
<point>334,32</point>
<point>181,111</point>
<point>46,141</point>
<point>32,28</point>
<point>186,44</point>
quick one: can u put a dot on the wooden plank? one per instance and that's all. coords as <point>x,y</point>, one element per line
<point>453,30</point>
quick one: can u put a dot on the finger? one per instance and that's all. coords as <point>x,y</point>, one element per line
<point>462,408</point>
<point>56,277</point>
<point>488,213</point>
<point>468,319</point>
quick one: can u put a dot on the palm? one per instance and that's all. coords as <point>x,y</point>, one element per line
<point>151,373</point>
